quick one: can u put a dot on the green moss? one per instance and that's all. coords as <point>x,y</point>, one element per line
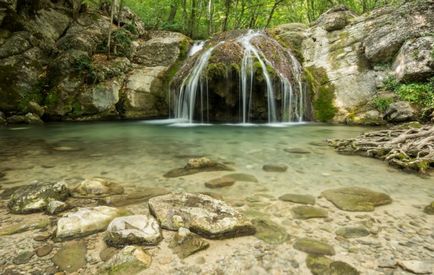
<point>217,70</point>
<point>323,92</point>
<point>52,99</point>
<point>184,47</point>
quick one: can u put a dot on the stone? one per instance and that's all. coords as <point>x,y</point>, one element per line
<point>415,60</point>
<point>429,209</point>
<point>31,223</point>
<point>36,109</point>
<point>352,232</point>
<point>185,243</point>
<point>400,111</point>
<point>71,256</point>
<point>417,267</point>
<point>220,182</point>
<point>298,198</point>
<point>300,151</point>
<point>107,253</point>
<point>23,257</point>
<point>269,231</point>
<point>44,250</point>
<point>85,221</point>
<point>356,198</point>
<point>335,19</point>
<point>242,177</point>
<point>314,247</point>
<point>133,230</point>
<point>55,207</point>
<point>198,165</point>
<point>29,118</point>
<point>308,212</point>
<point>139,195</point>
<point>274,168</point>
<point>36,196</point>
<point>203,215</point>
<point>96,188</point>
<point>130,260</point>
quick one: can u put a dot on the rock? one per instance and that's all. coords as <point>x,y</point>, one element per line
<point>197,166</point>
<point>417,267</point>
<point>130,260</point>
<point>55,207</point>
<point>356,198</point>
<point>201,214</point>
<point>269,231</point>
<point>400,111</point>
<point>308,212</point>
<point>314,247</point>
<point>370,118</point>
<point>107,253</point>
<point>320,265</point>
<point>242,177</point>
<point>38,222</point>
<point>297,151</point>
<point>23,257</point>
<point>71,256</point>
<point>429,209</point>
<point>140,195</point>
<point>352,232</point>
<point>274,168</point>
<point>415,61</point>
<point>44,250</point>
<point>220,182</point>
<point>186,243</point>
<point>85,221</point>
<point>36,196</point>
<point>26,119</point>
<point>298,198</point>
<point>36,109</point>
<point>97,187</point>
<point>133,230</point>
<point>43,236</point>
<point>335,19</point>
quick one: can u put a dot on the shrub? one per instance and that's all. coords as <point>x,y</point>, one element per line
<point>382,103</point>
<point>418,93</point>
<point>390,83</point>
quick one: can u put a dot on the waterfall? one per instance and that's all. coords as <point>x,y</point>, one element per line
<point>192,95</point>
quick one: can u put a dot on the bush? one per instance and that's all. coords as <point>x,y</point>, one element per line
<point>382,103</point>
<point>390,83</point>
<point>418,93</point>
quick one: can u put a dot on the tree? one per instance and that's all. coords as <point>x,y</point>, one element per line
<point>112,12</point>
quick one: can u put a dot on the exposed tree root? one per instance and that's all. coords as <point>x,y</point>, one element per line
<point>408,149</point>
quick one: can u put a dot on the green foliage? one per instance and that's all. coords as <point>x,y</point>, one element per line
<point>83,66</point>
<point>120,44</point>
<point>382,103</point>
<point>390,83</point>
<point>421,94</point>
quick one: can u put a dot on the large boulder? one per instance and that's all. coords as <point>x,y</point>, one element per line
<point>201,214</point>
<point>400,111</point>
<point>335,19</point>
<point>96,187</point>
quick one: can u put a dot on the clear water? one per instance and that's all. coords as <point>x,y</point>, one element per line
<point>139,153</point>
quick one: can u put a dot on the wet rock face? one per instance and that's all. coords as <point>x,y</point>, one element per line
<point>35,197</point>
<point>201,214</point>
<point>356,198</point>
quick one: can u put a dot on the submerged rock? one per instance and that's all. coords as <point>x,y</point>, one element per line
<point>97,187</point>
<point>269,231</point>
<point>137,229</point>
<point>38,222</point>
<point>55,207</point>
<point>220,182</point>
<point>201,214</point>
<point>23,257</point>
<point>320,265</point>
<point>71,256</point>
<point>429,209</point>
<point>44,250</point>
<point>186,243</point>
<point>417,267</point>
<point>85,221</point>
<point>308,212</point>
<point>198,165</point>
<point>139,195</point>
<point>356,198</point>
<point>297,151</point>
<point>298,198</point>
<point>352,232</point>
<point>242,177</point>
<point>36,196</point>
<point>314,247</point>
<point>274,168</point>
<point>130,260</point>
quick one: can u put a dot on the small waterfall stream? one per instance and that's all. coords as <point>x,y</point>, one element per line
<point>193,92</point>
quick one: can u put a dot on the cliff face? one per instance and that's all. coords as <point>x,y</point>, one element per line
<point>54,63</point>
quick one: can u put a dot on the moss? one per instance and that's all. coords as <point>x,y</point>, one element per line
<point>217,70</point>
<point>323,92</point>
<point>184,47</point>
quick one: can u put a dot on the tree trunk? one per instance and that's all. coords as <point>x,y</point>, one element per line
<point>110,28</point>
<point>172,14</point>
<point>226,18</point>
<point>273,9</point>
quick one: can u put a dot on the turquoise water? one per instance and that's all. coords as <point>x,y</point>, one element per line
<point>139,153</point>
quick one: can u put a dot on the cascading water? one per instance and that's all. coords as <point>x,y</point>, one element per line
<point>192,96</point>
<point>197,46</point>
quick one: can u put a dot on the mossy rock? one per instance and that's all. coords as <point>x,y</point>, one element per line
<point>314,247</point>
<point>429,209</point>
<point>352,232</point>
<point>298,198</point>
<point>320,265</point>
<point>71,256</point>
<point>308,212</point>
<point>269,231</point>
<point>356,198</point>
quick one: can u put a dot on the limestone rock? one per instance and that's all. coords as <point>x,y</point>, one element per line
<point>308,212</point>
<point>314,247</point>
<point>220,182</point>
<point>335,19</point>
<point>186,243</point>
<point>36,196</point>
<point>400,111</point>
<point>356,198</point>
<point>269,231</point>
<point>71,256</point>
<point>201,214</point>
<point>352,232</point>
<point>85,221</point>
<point>97,187</point>
<point>130,260</point>
<point>274,168</point>
<point>198,165</point>
<point>298,198</point>
<point>133,230</point>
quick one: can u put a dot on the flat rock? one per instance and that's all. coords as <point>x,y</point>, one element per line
<point>137,229</point>
<point>107,253</point>
<point>298,198</point>
<point>269,231</point>
<point>297,151</point>
<point>197,165</point>
<point>55,207</point>
<point>30,223</point>
<point>320,265</point>
<point>417,267</point>
<point>352,232</point>
<point>314,247</point>
<point>23,257</point>
<point>71,256</point>
<point>138,196</point>
<point>36,196</point>
<point>201,214</point>
<point>356,198</point>
<point>85,221</point>
<point>130,260</point>
<point>220,182</point>
<point>308,212</point>
<point>44,250</point>
<point>275,168</point>
<point>242,177</point>
<point>186,243</point>
<point>97,187</point>
<point>429,209</point>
